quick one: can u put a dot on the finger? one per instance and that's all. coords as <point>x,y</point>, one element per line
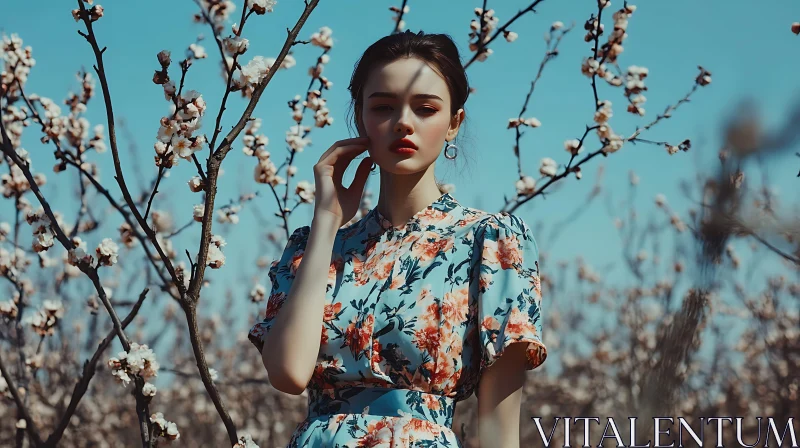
<point>347,150</point>
<point>343,161</point>
<point>345,142</point>
<point>340,158</point>
<point>362,174</point>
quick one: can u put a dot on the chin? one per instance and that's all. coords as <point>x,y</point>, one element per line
<point>402,164</point>
<point>400,167</point>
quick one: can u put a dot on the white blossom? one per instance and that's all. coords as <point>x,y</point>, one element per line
<point>36,361</point>
<point>139,360</point>
<point>256,70</point>
<point>79,254</point>
<point>296,139</point>
<point>197,51</point>
<point>482,56</point>
<point>305,190</point>
<point>266,173</point>
<point>168,129</point>
<point>257,294</point>
<point>163,427</point>
<point>107,252</point>
<point>604,113</point>
<point>196,184</point>
<point>322,38</point>
<point>573,146</point>
<point>199,211</point>
<point>548,167</point>
<point>677,223</point>
<point>149,390</point>
<point>9,310</point>
<point>614,143</point>
<point>532,122</point>
<point>169,90</point>
<point>44,320</point>
<point>261,6</point>
<point>216,259</point>
<point>526,186</point>
<point>218,240</point>
<point>246,441</point>
<point>235,45</point>
<point>229,214</point>
<point>44,237</point>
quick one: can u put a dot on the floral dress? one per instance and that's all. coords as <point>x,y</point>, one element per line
<point>413,316</point>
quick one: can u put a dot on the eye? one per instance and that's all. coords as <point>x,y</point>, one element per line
<point>428,110</point>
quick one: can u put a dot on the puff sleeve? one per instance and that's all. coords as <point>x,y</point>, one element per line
<point>281,274</point>
<point>508,288</point>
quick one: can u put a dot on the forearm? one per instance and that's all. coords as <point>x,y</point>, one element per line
<point>295,333</point>
<point>500,399</point>
<point>493,432</point>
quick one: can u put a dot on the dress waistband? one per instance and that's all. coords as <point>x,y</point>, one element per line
<point>381,401</point>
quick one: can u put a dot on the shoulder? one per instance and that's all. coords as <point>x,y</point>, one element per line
<point>502,223</point>
<point>300,235</point>
<point>298,240</point>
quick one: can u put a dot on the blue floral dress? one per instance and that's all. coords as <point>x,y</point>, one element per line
<point>413,316</point>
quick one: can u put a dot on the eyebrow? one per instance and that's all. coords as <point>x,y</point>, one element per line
<point>427,96</point>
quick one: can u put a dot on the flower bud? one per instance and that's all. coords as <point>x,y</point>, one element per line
<point>164,58</point>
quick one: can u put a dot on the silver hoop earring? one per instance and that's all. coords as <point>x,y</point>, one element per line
<point>455,148</point>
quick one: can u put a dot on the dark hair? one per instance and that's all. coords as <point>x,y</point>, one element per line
<point>438,50</point>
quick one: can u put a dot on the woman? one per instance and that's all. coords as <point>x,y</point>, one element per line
<point>422,294</point>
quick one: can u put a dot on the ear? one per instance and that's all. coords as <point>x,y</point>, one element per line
<point>455,124</point>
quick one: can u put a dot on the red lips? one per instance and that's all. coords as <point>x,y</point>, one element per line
<point>402,143</point>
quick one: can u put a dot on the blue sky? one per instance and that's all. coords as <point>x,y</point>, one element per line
<point>750,52</point>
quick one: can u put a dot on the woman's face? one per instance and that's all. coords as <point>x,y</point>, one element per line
<point>406,98</point>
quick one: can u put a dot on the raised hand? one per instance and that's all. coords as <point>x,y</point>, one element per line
<point>331,196</point>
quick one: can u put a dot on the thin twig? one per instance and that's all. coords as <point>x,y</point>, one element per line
<point>155,190</point>
<point>192,296</point>
<point>89,368</point>
<point>112,137</point>
<point>550,54</point>
<point>31,428</point>
<point>482,45</point>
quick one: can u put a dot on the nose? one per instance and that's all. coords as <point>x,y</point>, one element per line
<point>403,124</point>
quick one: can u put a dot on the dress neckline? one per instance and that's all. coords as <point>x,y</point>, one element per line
<point>425,216</point>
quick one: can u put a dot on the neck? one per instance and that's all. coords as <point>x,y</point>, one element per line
<point>403,195</point>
